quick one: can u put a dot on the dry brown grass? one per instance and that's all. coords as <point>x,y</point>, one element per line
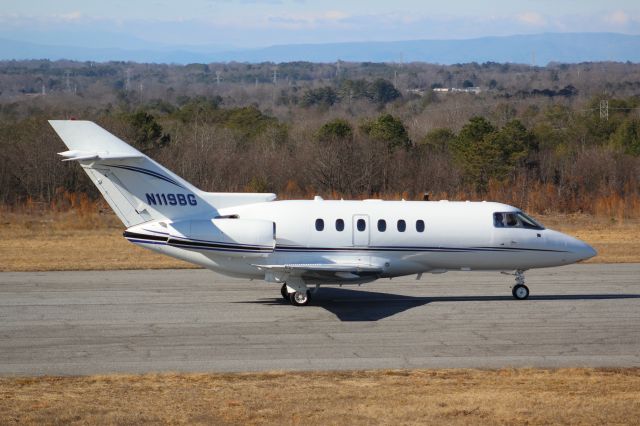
<point>72,241</point>
<point>77,240</point>
<point>523,396</point>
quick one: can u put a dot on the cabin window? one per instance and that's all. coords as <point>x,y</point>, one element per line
<point>515,220</point>
<point>339,225</point>
<point>361,225</point>
<point>319,225</point>
<point>402,225</point>
<point>420,225</point>
<point>382,225</point>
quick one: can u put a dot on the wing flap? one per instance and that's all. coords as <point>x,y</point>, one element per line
<point>322,267</point>
<point>325,272</point>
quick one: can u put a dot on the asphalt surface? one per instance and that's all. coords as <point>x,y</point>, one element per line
<point>195,320</point>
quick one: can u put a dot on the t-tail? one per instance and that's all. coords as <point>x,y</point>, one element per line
<point>137,188</point>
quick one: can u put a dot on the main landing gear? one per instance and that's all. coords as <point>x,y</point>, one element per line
<point>520,291</point>
<point>298,297</point>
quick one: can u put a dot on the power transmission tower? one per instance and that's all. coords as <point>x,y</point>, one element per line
<point>218,77</point>
<point>127,84</point>
<point>604,110</point>
<point>275,76</point>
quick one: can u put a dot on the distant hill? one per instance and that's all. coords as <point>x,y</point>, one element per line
<point>11,49</point>
<point>543,48</point>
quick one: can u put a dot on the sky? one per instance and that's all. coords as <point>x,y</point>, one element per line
<point>258,23</point>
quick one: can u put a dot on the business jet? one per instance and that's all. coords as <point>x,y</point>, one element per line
<point>303,244</point>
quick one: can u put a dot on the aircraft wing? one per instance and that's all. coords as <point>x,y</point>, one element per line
<point>340,271</point>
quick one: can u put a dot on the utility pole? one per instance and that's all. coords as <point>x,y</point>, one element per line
<point>66,78</point>
<point>395,71</point>
<point>604,110</point>
<point>275,84</point>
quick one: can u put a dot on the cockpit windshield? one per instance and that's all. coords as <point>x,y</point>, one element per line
<point>515,220</point>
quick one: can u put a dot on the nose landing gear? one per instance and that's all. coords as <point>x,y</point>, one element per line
<point>520,291</point>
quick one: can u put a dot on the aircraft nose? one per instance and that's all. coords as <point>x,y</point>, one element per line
<point>584,251</point>
<point>575,249</point>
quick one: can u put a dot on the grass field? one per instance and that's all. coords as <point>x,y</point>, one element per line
<point>525,396</point>
<point>510,396</point>
<point>70,241</point>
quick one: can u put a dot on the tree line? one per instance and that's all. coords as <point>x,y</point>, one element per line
<point>573,159</point>
<point>359,137</point>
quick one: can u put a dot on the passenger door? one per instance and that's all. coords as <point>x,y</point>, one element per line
<point>360,230</point>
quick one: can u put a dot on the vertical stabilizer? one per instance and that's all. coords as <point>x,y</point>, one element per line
<point>137,188</point>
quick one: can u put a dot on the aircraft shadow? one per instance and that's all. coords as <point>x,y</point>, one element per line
<point>358,305</point>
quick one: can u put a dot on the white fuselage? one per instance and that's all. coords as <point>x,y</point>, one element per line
<point>456,236</point>
<point>296,243</point>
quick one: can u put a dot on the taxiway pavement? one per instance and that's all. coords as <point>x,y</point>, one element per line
<point>195,320</point>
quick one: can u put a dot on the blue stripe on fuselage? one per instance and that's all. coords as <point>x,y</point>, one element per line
<point>213,245</point>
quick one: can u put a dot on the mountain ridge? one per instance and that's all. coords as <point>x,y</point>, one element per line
<point>538,49</point>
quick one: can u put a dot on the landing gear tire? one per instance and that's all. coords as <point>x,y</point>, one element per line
<point>520,292</point>
<point>284,292</point>
<point>299,298</point>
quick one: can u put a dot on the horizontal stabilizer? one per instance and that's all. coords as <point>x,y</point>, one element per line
<point>75,155</point>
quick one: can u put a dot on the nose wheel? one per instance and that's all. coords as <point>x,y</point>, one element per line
<point>520,291</point>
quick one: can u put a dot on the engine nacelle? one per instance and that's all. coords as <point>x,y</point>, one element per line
<point>228,236</point>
